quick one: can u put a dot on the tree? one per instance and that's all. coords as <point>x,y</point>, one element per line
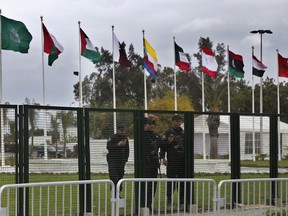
<point>32,116</point>
<point>66,121</point>
<point>215,90</point>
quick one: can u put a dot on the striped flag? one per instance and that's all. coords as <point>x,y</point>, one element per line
<point>150,58</point>
<point>209,64</point>
<point>258,68</point>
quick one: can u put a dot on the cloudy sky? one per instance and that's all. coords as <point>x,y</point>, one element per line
<point>224,21</point>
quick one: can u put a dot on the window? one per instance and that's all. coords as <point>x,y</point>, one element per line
<point>249,143</point>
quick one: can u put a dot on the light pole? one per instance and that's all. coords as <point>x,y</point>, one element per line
<point>261,32</point>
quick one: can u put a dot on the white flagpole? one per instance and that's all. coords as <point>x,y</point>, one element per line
<point>253,111</point>
<point>44,92</point>
<point>43,72</point>
<point>144,72</point>
<point>80,79</point>
<point>175,87</point>
<point>203,117</point>
<point>113,81</point>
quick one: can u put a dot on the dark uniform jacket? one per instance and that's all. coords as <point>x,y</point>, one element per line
<point>117,153</point>
<point>174,150</point>
<point>151,163</point>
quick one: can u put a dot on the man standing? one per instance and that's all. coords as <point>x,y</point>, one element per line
<point>172,156</point>
<point>151,142</point>
<point>118,153</point>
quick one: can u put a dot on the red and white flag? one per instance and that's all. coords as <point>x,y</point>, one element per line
<point>51,46</point>
<point>209,64</point>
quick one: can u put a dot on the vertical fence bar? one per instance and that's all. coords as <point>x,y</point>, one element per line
<point>235,155</point>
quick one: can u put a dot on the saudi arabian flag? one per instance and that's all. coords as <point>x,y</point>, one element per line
<point>15,35</point>
<point>87,48</point>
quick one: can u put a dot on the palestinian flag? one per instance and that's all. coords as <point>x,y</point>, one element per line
<point>87,48</point>
<point>236,65</point>
<point>51,46</point>
<point>181,59</point>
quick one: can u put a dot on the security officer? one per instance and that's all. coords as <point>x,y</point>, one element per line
<point>118,153</point>
<point>151,163</point>
<point>172,156</point>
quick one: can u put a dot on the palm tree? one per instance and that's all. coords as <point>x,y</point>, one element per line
<point>215,90</point>
<point>32,115</point>
<point>66,120</point>
<point>54,130</point>
<point>214,93</point>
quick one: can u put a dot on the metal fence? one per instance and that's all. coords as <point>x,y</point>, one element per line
<point>58,198</point>
<point>145,197</point>
<point>260,196</point>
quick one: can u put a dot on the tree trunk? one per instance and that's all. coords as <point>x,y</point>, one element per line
<point>213,122</point>
<point>213,147</point>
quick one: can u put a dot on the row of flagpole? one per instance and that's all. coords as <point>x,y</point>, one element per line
<point>114,94</point>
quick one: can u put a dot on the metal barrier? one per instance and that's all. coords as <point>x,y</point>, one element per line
<point>149,196</point>
<point>145,196</point>
<point>89,197</point>
<point>263,196</point>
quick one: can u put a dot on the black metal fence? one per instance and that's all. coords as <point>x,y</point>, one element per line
<point>46,143</point>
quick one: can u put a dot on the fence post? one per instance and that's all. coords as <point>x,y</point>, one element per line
<point>81,159</point>
<point>189,153</point>
<point>273,153</point>
<point>235,154</point>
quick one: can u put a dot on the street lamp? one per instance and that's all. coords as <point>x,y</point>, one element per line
<point>261,32</point>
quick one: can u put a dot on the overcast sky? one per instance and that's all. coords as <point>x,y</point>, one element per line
<point>224,21</point>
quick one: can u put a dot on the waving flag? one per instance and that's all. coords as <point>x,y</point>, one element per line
<point>15,35</point>
<point>258,68</point>
<point>119,53</point>
<point>181,59</point>
<point>150,58</point>
<point>236,65</point>
<point>282,66</point>
<point>209,64</point>
<point>87,48</point>
<point>51,46</point>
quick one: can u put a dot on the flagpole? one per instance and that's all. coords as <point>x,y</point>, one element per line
<point>80,79</point>
<point>203,118</point>
<point>1,86</point>
<point>253,111</point>
<point>43,71</point>
<point>175,87</point>
<point>145,85</point>
<point>113,81</point>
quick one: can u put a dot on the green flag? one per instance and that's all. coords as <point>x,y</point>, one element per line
<point>15,35</point>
